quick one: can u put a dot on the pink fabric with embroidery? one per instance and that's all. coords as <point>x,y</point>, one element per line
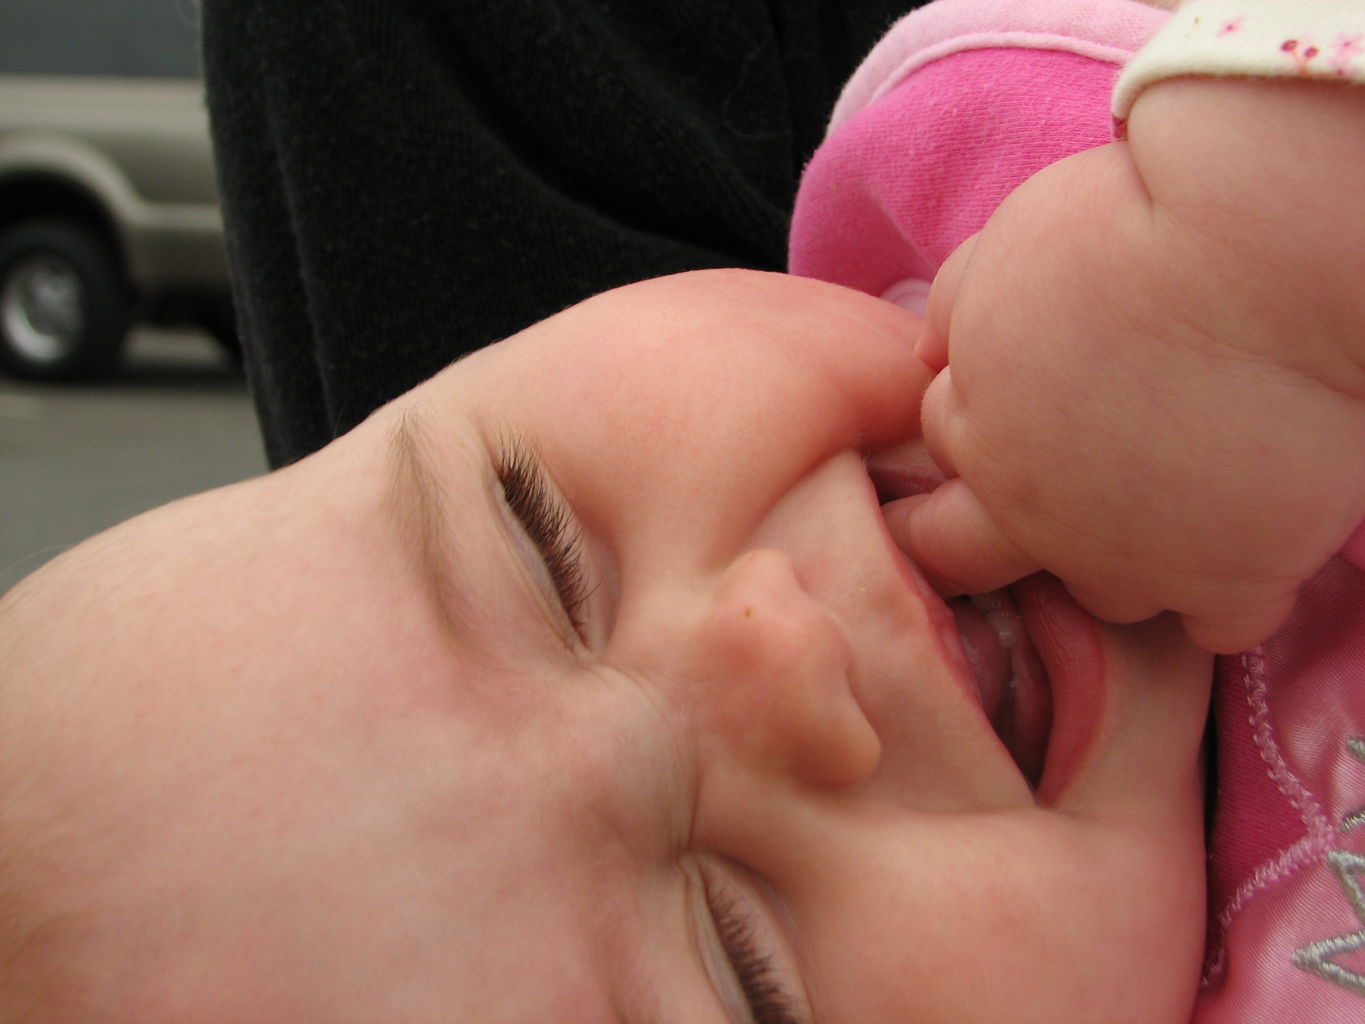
<point>1287,879</point>
<point>959,103</point>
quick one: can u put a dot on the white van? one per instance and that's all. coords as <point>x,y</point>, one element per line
<point>108,206</point>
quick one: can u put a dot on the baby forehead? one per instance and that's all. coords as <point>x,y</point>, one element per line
<point>748,301</point>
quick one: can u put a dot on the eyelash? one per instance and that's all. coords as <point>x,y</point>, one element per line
<point>548,525</point>
<point>767,1002</point>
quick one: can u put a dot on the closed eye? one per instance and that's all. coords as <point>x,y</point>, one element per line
<point>768,1002</point>
<point>548,525</point>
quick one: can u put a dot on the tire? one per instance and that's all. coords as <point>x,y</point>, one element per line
<point>64,306</point>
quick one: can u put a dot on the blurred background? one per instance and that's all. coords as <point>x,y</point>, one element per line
<point>119,382</point>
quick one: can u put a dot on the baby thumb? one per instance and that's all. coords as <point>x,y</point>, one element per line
<point>954,542</point>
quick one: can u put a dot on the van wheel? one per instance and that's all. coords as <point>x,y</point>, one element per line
<point>64,308</point>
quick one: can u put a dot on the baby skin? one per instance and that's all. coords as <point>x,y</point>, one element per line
<point>1152,366</point>
<point>584,683</point>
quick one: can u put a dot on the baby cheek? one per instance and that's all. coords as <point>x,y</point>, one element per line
<point>933,938</point>
<point>984,918</point>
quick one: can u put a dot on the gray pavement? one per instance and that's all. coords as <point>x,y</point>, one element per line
<point>76,459</point>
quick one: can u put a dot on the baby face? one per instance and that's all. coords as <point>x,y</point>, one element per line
<point>583,683</point>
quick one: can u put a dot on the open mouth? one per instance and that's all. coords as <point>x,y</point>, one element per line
<point>1011,680</point>
<point>1038,661</point>
<point>1032,655</point>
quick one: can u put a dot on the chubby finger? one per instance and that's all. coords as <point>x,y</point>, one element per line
<point>932,345</point>
<point>1228,634</point>
<point>953,540</point>
<point>939,423</point>
<point>1114,599</point>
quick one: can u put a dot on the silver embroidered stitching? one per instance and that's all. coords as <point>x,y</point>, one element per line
<point>1310,811</point>
<point>1320,836</point>
<point>1317,956</point>
<point>1356,746</point>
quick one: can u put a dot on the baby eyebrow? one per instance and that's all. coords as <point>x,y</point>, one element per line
<point>414,503</point>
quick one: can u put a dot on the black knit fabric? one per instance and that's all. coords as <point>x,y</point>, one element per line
<point>406,180</point>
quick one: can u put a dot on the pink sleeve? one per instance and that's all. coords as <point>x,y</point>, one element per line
<point>958,105</point>
<point>900,185</point>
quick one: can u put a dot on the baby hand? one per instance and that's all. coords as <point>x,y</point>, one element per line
<point>1117,406</point>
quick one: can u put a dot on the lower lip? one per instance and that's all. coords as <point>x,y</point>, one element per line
<point>1067,640</point>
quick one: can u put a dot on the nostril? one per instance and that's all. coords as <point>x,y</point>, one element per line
<point>777,631</point>
<point>782,670</point>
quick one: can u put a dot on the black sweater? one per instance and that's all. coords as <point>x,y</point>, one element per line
<point>406,180</point>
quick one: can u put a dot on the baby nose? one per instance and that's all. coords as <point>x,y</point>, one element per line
<point>779,670</point>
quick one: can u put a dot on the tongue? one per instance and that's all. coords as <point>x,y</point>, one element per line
<point>988,657</point>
